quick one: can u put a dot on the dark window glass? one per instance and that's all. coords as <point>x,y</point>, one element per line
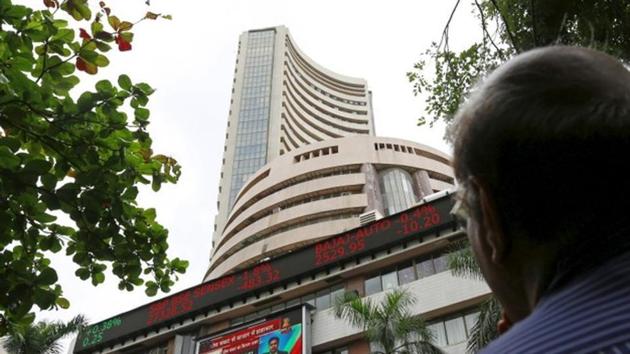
<point>425,268</point>
<point>322,301</point>
<point>373,285</point>
<point>455,330</point>
<point>406,275</point>
<point>441,263</point>
<point>390,280</point>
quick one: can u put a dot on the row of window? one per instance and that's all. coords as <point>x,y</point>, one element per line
<point>270,233</point>
<point>335,84</point>
<point>453,330</point>
<point>407,272</point>
<point>290,110</point>
<point>322,300</point>
<point>291,103</point>
<point>316,153</point>
<point>253,126</point>
<point>254,107</point>
<point>329,112</point>
<point>343,170</point>
<point>304,79</point>
<point>396,190</point>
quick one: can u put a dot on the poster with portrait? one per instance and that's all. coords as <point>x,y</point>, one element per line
<point>282,341</point>
<point>280,333</point>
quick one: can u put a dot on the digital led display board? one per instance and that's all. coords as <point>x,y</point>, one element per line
<point>407,225</point>
<point>281,333</point>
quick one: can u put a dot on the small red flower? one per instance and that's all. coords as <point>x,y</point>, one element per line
<point>123,45</point>
<point>83,34</point>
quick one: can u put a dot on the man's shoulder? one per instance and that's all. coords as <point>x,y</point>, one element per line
<point>590,315</point>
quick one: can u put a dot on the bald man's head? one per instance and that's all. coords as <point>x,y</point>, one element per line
<point>548,133</point>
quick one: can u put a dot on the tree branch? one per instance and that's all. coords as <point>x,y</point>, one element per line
<point>446,27</point>
<point>507,26</point>
<point>485,29</point>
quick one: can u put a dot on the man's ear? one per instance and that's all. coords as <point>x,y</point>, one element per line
<point>493,232</point>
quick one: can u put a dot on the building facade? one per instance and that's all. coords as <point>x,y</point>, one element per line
<point>311,205</point>
<point>282,100</point>
<point>322,189</point>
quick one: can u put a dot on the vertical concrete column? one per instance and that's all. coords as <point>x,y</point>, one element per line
<point>421,184</point>
<point>372,188</point>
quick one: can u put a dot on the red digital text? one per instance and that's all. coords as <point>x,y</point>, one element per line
<point>170,307</point>
<point>347,244</point>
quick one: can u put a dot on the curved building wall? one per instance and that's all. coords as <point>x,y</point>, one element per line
<point>282,100</point>
<point>319,190</point>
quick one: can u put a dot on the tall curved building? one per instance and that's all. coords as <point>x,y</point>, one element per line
<point>311,205</point>
<point>282,100</point>
<point>322,189</point>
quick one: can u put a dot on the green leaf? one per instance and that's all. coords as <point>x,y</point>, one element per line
<point>98,278</point>
<point>44,298</point>
<point>16,11</point>
<point>142,114</point>
<point>145,88</point>
<point>64,35</point>
<point>63,302</point>
<point>82,273</point>
<point>101,61</point>
<point>114,22</point>
<point>102,46</point>
<point>37,166</point>
<point>8,160</point>
<point>124,82</point>
<point>104,86</point>
<point>125,26</point>
<point>47,276</point>
<point>86,101</point>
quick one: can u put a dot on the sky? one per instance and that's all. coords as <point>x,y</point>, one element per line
<point>190,61</point>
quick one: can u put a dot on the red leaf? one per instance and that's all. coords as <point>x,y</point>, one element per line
<point>123,45</point>
<point>107,10</point>
<point>83,34</point>
<point>51,3</point>
<point>81,65</point>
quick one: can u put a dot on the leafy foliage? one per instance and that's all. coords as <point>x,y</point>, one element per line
<point>509,27</point>
<point>388,324</point>
<point>80,157</point>
<point>485,329</point>
<point>462,263</point>
<point>42,337</point>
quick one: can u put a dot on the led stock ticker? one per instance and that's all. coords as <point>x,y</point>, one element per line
<point>351,243</point>
<point>408,225</point>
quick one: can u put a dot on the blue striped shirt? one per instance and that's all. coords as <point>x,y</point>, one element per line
<point>589,315</point>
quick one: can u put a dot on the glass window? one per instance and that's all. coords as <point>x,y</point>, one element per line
<point>309,299</point>
<point>390,280</point>
<point>441,263</point>
<point>438,333</point>
<point>397,190</point>
<point>471,320</point>
<point>373,285</point>
<point>322,301</point>
<point>337,292</point>
<point>406,275</point>
<point>455,330</point>
<point>425,268</point>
